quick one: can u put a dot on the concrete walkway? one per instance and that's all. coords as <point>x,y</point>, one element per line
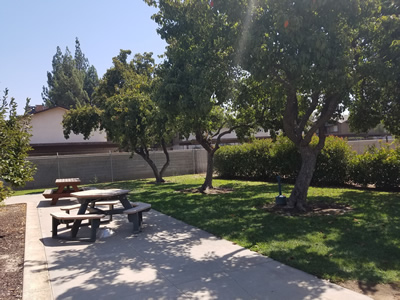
<point>168,260</point>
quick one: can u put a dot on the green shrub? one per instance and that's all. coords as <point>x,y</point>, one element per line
<point>336,164</point>
<point>286,159</point>
<point>264,160</point>
<point>247,161</point>
<point>377,166</point>
<point>332,166</point>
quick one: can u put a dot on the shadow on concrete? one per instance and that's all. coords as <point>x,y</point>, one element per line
<point>172,260</point>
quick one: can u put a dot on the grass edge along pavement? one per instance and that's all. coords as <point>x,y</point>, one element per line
<point>361,243</point>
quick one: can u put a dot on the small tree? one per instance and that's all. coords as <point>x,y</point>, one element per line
<point>15,170</point>
<point>124,108</point>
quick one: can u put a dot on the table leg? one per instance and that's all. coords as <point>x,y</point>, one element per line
<point>75,187</point>
<point>133,218</point>
<point>60,188</point>
<point>125,202</point>
<point>77,223</point>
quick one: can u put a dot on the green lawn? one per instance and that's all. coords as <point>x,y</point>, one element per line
<point>363,244</point>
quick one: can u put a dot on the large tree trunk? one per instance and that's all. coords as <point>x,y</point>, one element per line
<point>210,170</point>
<point>298,196</point>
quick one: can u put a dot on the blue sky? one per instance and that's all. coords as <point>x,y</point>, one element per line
<point>30,32</point>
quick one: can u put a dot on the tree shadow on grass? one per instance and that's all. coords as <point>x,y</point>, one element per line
<point>362,244</point>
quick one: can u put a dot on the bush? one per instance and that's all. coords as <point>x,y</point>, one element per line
<point>336,164</point>
<point>333,162</point>
<point>286,159</point>
<point>247,161</point>
<point>264,160</point>
<point>380,167</point>
<point>259,160</point>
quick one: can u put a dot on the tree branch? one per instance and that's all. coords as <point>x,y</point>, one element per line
<point>290,118</point>
<point>164,147</point>
<point>310,110</point>
<point>326,114</point>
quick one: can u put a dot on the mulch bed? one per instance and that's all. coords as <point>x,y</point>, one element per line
<point>12,248</point>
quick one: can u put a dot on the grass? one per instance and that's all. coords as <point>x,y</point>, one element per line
<point>363,244</point>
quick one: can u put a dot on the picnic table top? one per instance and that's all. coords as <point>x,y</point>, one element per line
<point>68,180</point>
<point>90,194</point>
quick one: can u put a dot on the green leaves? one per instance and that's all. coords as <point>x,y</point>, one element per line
<point>72,80</point>
<point>15,170</point>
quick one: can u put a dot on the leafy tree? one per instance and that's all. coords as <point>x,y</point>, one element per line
<point>15,170</point>
<point>124,108</point>
<point>377,93</point>
<point>197,80</point>
<point>72,80</point>
<point>309,56</point>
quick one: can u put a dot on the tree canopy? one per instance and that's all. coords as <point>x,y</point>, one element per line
<point>197,85</point>
<point>15,170</point>
<point>301,63</point>
<point>314,56</point>
<point>72,80</point>
<point>377,91</point>
<point>124,108</point>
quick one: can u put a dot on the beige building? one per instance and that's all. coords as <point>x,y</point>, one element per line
<point>342,129</point>
<point>48,137</point>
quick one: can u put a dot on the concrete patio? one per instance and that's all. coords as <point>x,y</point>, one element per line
<point>167,260</point>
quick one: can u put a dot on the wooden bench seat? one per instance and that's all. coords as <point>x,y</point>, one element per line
<point>68,208</point>
<point>110,203</point>
<point>64,218</point>
<point>138,207</point>
<point>135,214</point>
<point>48,193</point>
<point>51,194</point>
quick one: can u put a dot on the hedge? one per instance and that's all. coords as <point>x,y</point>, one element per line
<point>337,164</point>
<point>379,167</point>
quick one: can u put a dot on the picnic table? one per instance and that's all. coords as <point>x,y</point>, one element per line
<point>132,210</point>
<point>65,186</point>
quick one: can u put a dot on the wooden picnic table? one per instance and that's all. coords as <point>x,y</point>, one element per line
<point>65,186</point>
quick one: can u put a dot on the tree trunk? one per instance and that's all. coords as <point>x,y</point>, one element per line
<point>164,147</point>
<point>298,196</point>
<point>145,155</point>
<point>210,170</point>
<point>153,166</point>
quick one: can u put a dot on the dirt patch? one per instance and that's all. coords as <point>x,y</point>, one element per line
<point>12,248</point>
<point>314,209</point>
<point>213,191</point>
<point>377,292</point>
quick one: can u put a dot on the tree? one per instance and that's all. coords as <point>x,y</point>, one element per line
<point>197,80</point>
<point>123,106</point>
<point>308,54</point>
<point>15,170</point>
<point>72,80</point>
<point>377,90</point>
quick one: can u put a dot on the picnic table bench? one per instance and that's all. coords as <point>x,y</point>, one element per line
<point>65,186</point>
<point>64,218</point>
<point>90,201</point>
